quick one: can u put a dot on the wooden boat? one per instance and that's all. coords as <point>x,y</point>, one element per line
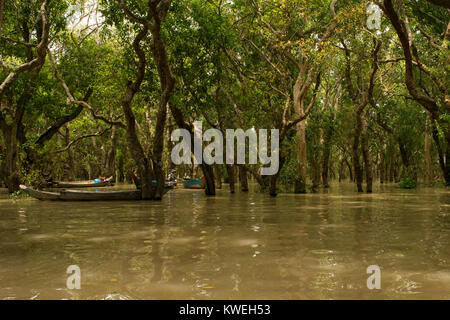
<point>194,183</point>
<point>167,183</point>
<point>80,195</point>
<point>80,184</point>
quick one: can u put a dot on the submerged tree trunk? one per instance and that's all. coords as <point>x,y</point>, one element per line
<point>144,166</point>
<point>12,174</point>
<point>11,133</point>
<point>149,167</point>
<point>300,183</point>
<point>167,81</point>
<point>350,169</point>
<point>428,157</point>
<point>120,168</point>
<point>273,179</point>
<point>382,164</point>
<point>218,172</point>
<point>326,156</point>
<point>231,177</point>
<point>243,178</point>
<point>208,172</point>
<point>315,174</point>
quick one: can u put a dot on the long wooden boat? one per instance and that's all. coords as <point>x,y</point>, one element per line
<point>80,184</point>
<point>194,183</point>
<point>80,195</point>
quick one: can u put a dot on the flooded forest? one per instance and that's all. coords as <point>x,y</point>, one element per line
<point>95,96</point>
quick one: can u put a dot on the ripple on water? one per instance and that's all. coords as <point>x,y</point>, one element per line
<point>232,246</point>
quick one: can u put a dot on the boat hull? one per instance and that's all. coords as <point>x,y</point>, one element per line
<point>194,184</point>
<point>80,195</point>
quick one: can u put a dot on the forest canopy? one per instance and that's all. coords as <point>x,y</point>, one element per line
<point>94,88</point>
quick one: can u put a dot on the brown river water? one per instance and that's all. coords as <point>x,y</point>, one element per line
<point>241,246</point>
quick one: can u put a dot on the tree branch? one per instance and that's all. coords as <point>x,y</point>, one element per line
<point>401,30</point>
<point>82,103</point>
<point>41,52</point>
<point>98,134</point>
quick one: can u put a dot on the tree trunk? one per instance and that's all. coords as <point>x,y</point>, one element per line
<point>355,152</point>
<point>447,158</point>
<point>12,174</point>
<point>167,81</point>
<point>243,178</point>
<point>218,171</point>
<point>273,179</point>
<point>315,174</point>
<point>366,157</point>
<point>326,156</point>
<point>158,149</point>
<point>383,163</point>
<point>350,169</point>
<point>340,169</point>
<point>111,158</point>
<point>428,157</point>
<point>120,168</point>
<point>300,183</point>
<point>231,177</point>
<point>70,156</point>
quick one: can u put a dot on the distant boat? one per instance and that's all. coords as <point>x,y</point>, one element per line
<point>79,195</point>
<point>137,182</point>
<point>194,183</point>
<point>81,184</point>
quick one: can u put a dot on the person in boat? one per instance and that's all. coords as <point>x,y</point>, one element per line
<point>99,180</point>
<point>136,181</point>
<point>172,175</point>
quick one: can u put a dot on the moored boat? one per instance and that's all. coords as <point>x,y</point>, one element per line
<point>194,183</point>
<point>80,195</point>
<point>81,184</point>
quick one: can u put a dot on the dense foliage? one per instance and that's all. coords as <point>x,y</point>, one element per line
<point>92,88</point>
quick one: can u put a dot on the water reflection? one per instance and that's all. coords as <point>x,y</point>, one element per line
<point>237,246</point>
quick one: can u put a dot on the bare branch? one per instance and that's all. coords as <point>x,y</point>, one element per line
<point>82,103</point>
<point>98,134</point>
<point>130,14</point>
<point>308,110</point>
<point>26,44</point>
